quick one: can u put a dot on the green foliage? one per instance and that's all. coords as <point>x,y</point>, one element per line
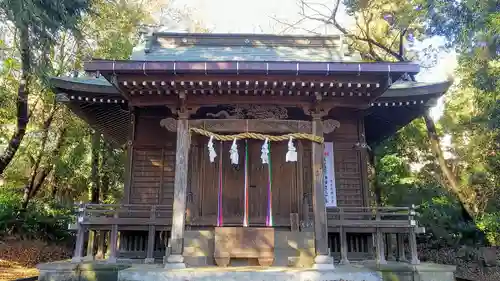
<point>489,223</point>
<point>445,224</point>
<point>407,171</point>
<point>406,175</point>
<point>44,220</point>
<point>42,22</point>
<point>57,145</point>
<point>112,39</point>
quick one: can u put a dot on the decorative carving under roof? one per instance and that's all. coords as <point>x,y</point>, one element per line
<point>330,125</point>
<point>252,112</point>
<point>169,123</point>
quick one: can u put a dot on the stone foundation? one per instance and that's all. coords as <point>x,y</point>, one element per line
<point>366,271</point>
<point>84,271</point>
<point>407,272</point>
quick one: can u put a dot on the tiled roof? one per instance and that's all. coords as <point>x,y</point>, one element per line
<point>242,47</point>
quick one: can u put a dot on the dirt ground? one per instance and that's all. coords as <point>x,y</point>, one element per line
<point>468,262</point>
<point>18,258</point>
<point>12,270</point>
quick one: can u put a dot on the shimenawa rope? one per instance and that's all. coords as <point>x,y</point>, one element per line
<point>257,136</point>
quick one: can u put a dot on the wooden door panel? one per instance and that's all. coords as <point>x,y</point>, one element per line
<point>257,192</point>
<point>285,186</point>
<point>284,180</point>
<point>232,185</point>
<point>208,185</point>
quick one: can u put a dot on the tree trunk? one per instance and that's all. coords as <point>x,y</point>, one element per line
<point>452,181</point>
<point>105,179</point>
<point>104,189</point>
<point>96,139</point>
<point>373,178</point>
<point>42,175</point>
<point>35,174</point>
<point>22,101</point>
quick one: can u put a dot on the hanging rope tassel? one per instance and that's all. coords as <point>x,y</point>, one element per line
<point>211,151</point>
<point>219,198</point>
<point>235,158</point>
<point>269,218</point>
<point>291,155</point>
<point>245,215</point>
<point>264,152</point>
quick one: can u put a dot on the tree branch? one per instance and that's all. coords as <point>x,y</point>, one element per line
<point>45,137</point>
<point>331,20</point>
<point>22,101</point>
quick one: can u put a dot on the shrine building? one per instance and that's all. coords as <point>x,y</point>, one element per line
<point>247,149</point>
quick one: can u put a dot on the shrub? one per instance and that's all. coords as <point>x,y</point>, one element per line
<point>445,224</point>
<point>43,219</point>
<point>489,223</point>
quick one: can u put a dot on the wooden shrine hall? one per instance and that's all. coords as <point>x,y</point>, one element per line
<point>246,149</point>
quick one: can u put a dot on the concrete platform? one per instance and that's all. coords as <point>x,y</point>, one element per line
<point>364,271</point>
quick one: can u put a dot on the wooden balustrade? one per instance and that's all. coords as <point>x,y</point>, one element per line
<point>109,217</point>
<point>379,222</point>
<point>353,230</point>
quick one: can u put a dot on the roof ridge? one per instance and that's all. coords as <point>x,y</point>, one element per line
<point>236,35</point>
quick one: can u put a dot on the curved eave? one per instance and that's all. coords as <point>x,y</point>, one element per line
<point>90,86</point>
<point>105,111</point>
<point>111,120</point>
<point>399,106</point>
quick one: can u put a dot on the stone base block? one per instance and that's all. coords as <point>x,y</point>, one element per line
<point>175,262</point>
<point>88,258</point>
<point>245,274</point>
<point>409,272</point>
<point>68,271</point>
<point>323,263</point>
<point>178,265</point>
<point>198,261</point>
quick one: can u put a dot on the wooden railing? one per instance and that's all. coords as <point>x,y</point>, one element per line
<point>93,217</point>
<point>352,229</point>
<point>380,222</point>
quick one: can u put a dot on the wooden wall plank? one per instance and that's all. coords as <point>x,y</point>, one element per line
<point>348,164</point>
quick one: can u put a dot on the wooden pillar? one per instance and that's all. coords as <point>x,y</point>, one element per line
<point>413,246</point>
<point>130,158</point>
<point>113,241</point>
<point>343,239</point>
<point>91,245</point>
<point>151,237</point>
<point>412,236</point>
<point>175,259</point>
<point>389,241</point>
<point>380,248</point>
<point>323,259</point>
<point>80,235</point>
<point>401,247</point>
<point>101,244</point>
<point>379,243</point>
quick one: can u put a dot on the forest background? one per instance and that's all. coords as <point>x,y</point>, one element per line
<point>449,167</point>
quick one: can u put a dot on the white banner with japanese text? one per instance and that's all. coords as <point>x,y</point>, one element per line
<point>329,173</point>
